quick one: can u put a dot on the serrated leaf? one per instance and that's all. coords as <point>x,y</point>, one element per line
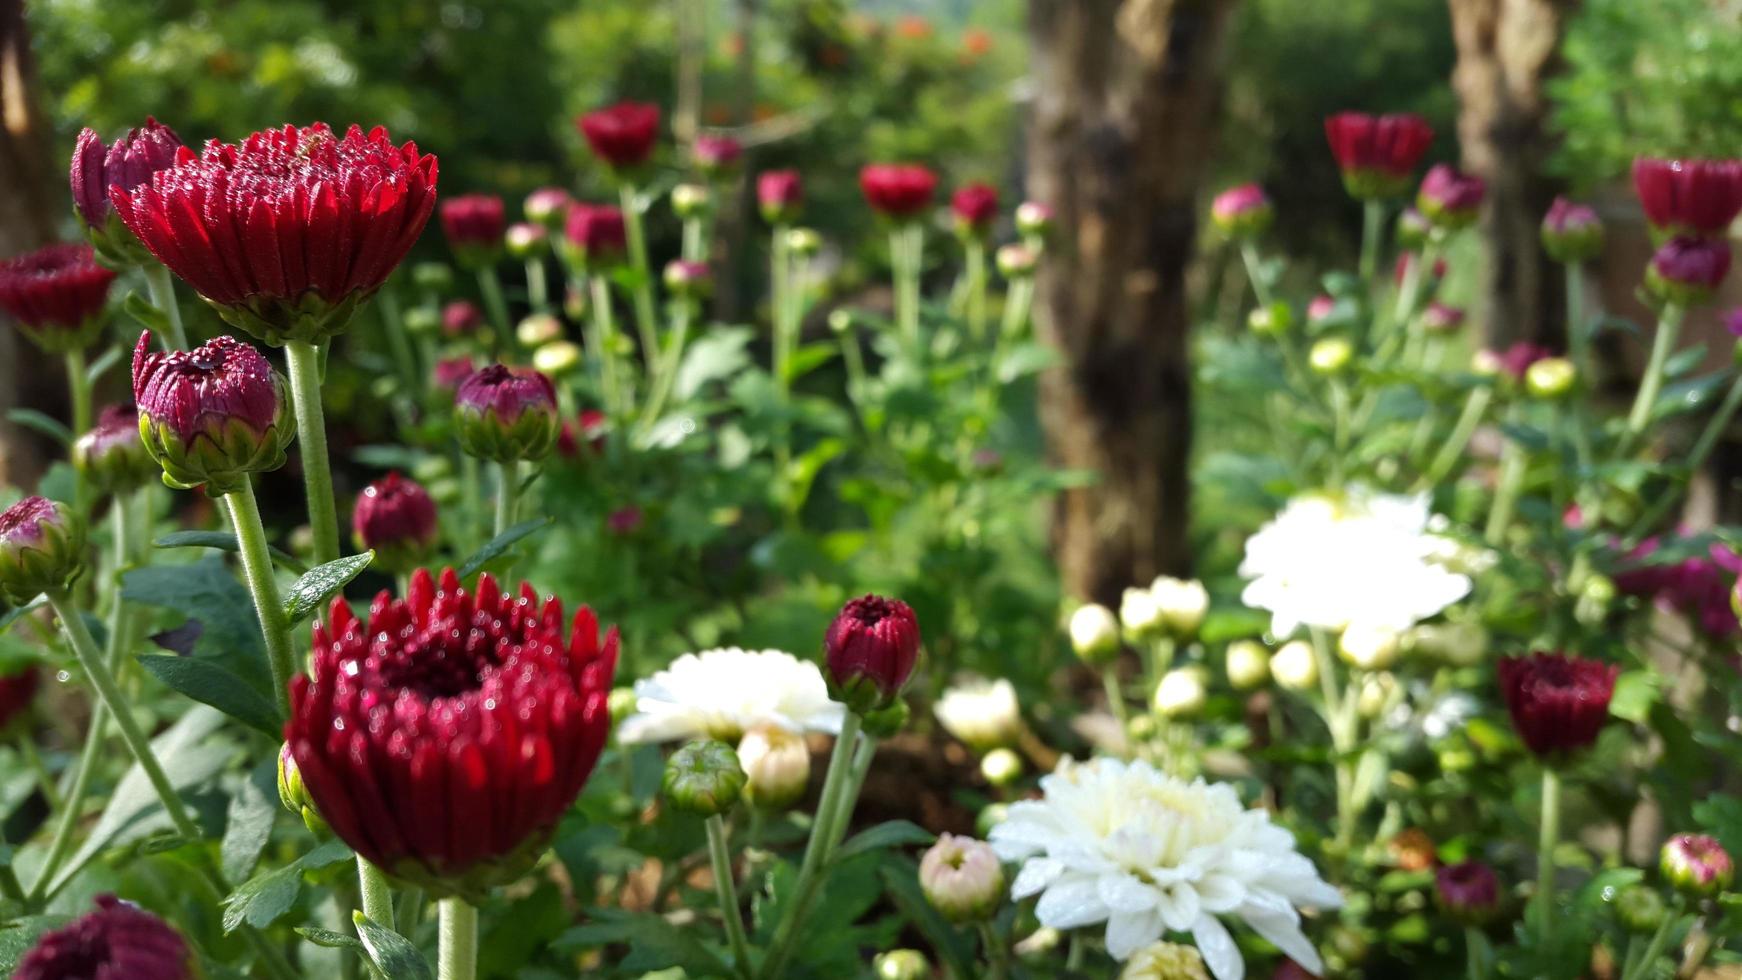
<point>149,316</point>
<point>223,541</point>
<point>209,682</point>
<point>654,943</point>
<point>248,822</point>
<point>893,833</point>
<point>720,353</point>
<point>389,952</point>
<point>500,544</point>
<point>207,591</point>
<point>260,900</point>
<point>44,423</point>
<point>317,585</point>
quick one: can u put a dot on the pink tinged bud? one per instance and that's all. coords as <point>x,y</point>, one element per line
<point>1450,198</point>
<point>111,455</point>
<point>1469,892</point>
<point>622,135</point>
<point>1377,154</point>
<point>974,207</point>
<point>1516,360</point>
<point>1033,219</point>
<point>1442,319</point>
<point>1571,232</point>
<point>1697,198</point>
<point>396,518</point>
<point>870,651</point>
<point>1558,702</point>
<point>507,414</point>
<point>596,235</point>
<point>1413,229</point>
<point>898,190</point>
<point>1687,271</point>
<point>118,939</point>
<point>461,317</point>
<point>127,163</point>
<point>1321,308</point>
<point>962,878</point>
<point>688,280</point>
<point>524,239</point>
<point>213,415</point>
<point>1733,322</point>
<point>780,195</point>
<point>1696,865</point>
<point>56,294</point>
<point>474,225</point>
<point>1016,260</point>
<point>717,155</point>
<point>286,232</point>
<point>548,206</point>
<point>1242,212</point>
<point>41,549</point>
<point>444,738</point>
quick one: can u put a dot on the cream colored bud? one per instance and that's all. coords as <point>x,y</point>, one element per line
<point>1181,693</point>
<point>537,329</point>
<point>1248,664</point>
<point>1294,666</point>
<point>985,714</point>
<point>1376,690</point>
<point>1331,355</point>
<point>1183,604</point>
<point>557,357</point>
<point>1369,647</point>
<point>1094,633</point>
<point>778,766</point>
<point>1001,767</point>
<point>1140,614</point>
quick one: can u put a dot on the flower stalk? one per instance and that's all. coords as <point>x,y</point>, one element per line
<point>490,288</point>
<point>835,789</point>
<point>975,259</point>
<point>1548,837</point>
<point>507,494</point>
<point>605,346</point>
<point>457,931</point>
<point>726,890</point>
<point>643,291</point>
<point>303,364</point>
<point>79,393</point>
<point>1669,325</point>
<point>162,290</point>
<point>257,569</point>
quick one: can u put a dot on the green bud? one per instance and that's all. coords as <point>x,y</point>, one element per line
<point>1331,356</point>
<point>1639,909</point>
<point>1270,321</point>
<point>690,201</point>
<point>434,276</point>
<point>902,964</point>
<point>887,721</point>
<point>294,795</point>
<point>703,778</point>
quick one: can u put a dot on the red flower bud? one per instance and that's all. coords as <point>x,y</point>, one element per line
<point>622,135</point>
<point>1696,864</point>
<point>1699,198</point>
<point>1442,319</point>
<point>111,454</point>
<point>1468,892</point>
<point>1377,154</point>
<point>117,940</point>
<point>445,738</point>
<point>898,190</point>
<point>450,372</point>
<point>287,231</point>
<point>474,224</point>
<point>213,415</point>
<point>1242,212</point>
<point>625,521</point>
<point>396,518</point>
<point>461,317</point>
<point>56,294</point>
<point>42,545</point>
<point>780,194</point>
<point>1687,271</point>
<point>1516,360</point>
<point>596,235</point>
<point>1571,232</point>
<point>507,414</point>
<point>588,427</point>
<point>870,651</point>
<point>717,155</point>
<point>126,163</point>
<point>1558,702</point>
<point>1450,198</point>
<point>688,279</point>
<point>975,207</point>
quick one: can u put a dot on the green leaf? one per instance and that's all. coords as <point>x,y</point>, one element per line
<point>893,833</point>
<point>1024,360</point>
<point>720,353</point>
<point>13,615</point>
<point>223,541</point>
<point>101,365</point>
<point>808,358</point>
<point>319,584</point>
<point>248,824</point>
<point>260,900</point>
<point>210,682</point>
<point>149,317</point>
<point>654,943</point>
<point>390,457</point>
<point>901,884</point>
<point>48,425</point>
<point>389,952</point>
<point>1635,692</point>
<point>209,596</point>
<point>500,544</point>
<point>21,934</point>
<point>331,940</point>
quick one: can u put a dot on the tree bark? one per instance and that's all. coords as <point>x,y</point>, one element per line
<point>1126,93</point>
<point>30,201</point>
<point>1507,50</point>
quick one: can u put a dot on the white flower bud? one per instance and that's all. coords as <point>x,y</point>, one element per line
<point>778,764</point>
<point>1140,614</point>
<point>1183,603</point>
<point>1368,647</point>
<point>1294,666</point>
<point>1001,767</point>
<point>1376,689</point>
<point>1180,693</point>
<point>982,713</point>
<point>1248,664</point>
<point>1094,633</point>
<point>901,964</point>
<point>962,878</point>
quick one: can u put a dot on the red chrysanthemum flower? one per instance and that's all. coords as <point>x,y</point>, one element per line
<point>451,372</point>
<point>1377,154</point>
<point>118,941</point>
<point>898,190</point>
<point>870,651</point>
<point>395,518</point>
<point>212,415</point>
<point>1558,702</point>
<point>1686,270</point>
<point>57,294</point>
<point>125,163</point>
<point>595,235</point>
<point>587,428</point>
<point>1469,892</point>
<point>1700,198</point>
<point>975,207</point>
<point>780,195</point>
<point>717,155</point>
<point>1450,198</point>
<point>286,232</point>
<point>445,738</point>
<point>474,224</point>
<point>622,135</point>
<point>507,413</point>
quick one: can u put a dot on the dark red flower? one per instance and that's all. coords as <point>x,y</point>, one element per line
<point>17,691</point>
<point>870,651</point>
<point>1700,198</point>
<point>1517,359</point>
<point>1558,702</point>
<point>507,414</point>
<point>118,941</point>
<point>474,224</point>
<point>1469,892</point>
<point>445,738</point>
<point>461,317</point>
<point>780,194</point>
<point>1449,197</point>
<point>396,518</point>
<point>717,155</point>
<point>450,372</point>
<point>57,294</point>
<point>898,190</point>
<point>1290,970</point>
<point>596,235</point>
<point>588,427</point>
<point>212,415</point>
<point>625,521</point>
<point>111,454</point>
<point>286,232</point>
<point>975,207</point>
<point>1571,232</point>
<point>1377,154</point>
<point>1686,271</point>
<point>622,135</point>
<point>126,163</point>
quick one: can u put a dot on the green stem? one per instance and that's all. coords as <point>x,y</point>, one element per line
<point>1513,462</point>
<point>1453,449</point>
<point>537,286</point>
<point>91,661</point>
<point>727,891</point>
<point>162,290</point>
<point>457,957</point>
<point>1696,458</point>
<point>1668,327</point>
<point>9,885</point>
<point>605,334</point>
<point>864,750</point>
<point>695,240</point>
<point>472,500</point>
<point>1578,336</point>
<point>666,376</point>
<point>997,955</point>
<point>33,759</point>
<point>906,251</point>
<point>79,394</point>
<point>507,494</point>
<point>257,569</point>
<point>1642,967</point>
<point>1254,272</point>
<point>810,871</point>
<point>643,294</point>
<point>1115,698</point>
<point>1545,845</point>
<point>393,319</point>
<point>377,893</point>
<point>1372,227</point>
<point>976,270</point>
<point>1472,952</point>
<point>780,275</point>
<point>496,305</point>
<point>304,362</point>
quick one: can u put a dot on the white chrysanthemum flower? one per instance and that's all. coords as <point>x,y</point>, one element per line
<point>1122,843</point>
<point>724,693</point>
<point>982,713</point>
<point>1360,558</point>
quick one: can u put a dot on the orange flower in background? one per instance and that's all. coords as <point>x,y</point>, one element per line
<point>976,43</point>
<point>913,27</point>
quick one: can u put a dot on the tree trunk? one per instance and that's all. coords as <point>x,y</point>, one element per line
<point>1507,49</point>
<point>30,202</point>
<point>1126,93</point>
